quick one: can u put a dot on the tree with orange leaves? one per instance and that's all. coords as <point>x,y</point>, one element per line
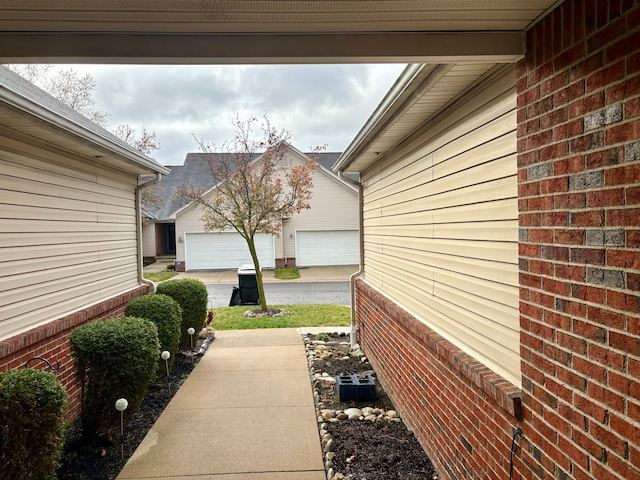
<point>252,192</point>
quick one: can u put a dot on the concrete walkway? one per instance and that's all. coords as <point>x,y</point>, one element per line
<point>246,412</point>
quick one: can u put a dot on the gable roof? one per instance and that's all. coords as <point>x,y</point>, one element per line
<point>33,111</point>
<point>195,172</point>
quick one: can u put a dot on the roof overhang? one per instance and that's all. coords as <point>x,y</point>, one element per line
<point>264,31</point>
<point>23,116</point>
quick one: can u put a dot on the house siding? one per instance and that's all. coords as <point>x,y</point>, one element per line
<point>334,206</point>
<point>68,236</point>
<point>579,179</point>
<point>440,225</point>
<point>50,341</point>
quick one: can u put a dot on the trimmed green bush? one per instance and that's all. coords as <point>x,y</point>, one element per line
<point>115,358</point>
<point>192,296</point>
<point>32,410</point>
<point>165,312</point>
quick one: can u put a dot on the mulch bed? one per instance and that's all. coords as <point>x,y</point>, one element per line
<point>84,461</point>
<point>366,450</point>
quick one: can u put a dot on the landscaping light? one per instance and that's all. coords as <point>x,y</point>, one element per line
<point>121,406</point>
<point>191,331</point>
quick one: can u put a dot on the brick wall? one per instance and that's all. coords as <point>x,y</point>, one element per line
<point>50,342</point>
<point>579,189</point>
<point>462,413</point>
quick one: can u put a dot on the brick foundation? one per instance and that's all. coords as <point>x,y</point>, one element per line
<point>579,201</point>
<point>461,412</point>
<point>50,342</point>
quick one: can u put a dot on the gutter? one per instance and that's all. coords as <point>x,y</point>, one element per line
<point>400,85</point>
<point>352,279</point>
<point>139,248</point>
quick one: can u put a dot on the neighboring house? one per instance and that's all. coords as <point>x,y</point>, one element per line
<point>501,276</point>
<point>70,238</point>
<point>325,234</point>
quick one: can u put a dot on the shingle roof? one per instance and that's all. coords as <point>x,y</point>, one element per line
<point>41,102</point>
<point>195,172</point>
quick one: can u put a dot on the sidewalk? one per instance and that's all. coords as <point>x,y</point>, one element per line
<point>339,273</point>
<point>246,412</point>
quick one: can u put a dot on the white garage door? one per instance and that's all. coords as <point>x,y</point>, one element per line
<point>327,247</point>
<point>216,251</point>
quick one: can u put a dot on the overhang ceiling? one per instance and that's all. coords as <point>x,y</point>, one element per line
<point>308,31</point>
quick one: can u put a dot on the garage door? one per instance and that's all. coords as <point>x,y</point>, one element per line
<point>216,251</point>
<point>327,247</point>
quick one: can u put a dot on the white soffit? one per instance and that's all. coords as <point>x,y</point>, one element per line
<point>310,31</point>
<point>427,91</point>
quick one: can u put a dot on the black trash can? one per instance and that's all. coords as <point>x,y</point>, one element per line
<point>248,284</point>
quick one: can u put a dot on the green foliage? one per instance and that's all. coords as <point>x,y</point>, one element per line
<point>115,358</point>
<point>298,316</point>
<point>286,273</point>
<point>165,312</point>
<point>32,410</point>
<point>192,296</point>
<point>159,276</point>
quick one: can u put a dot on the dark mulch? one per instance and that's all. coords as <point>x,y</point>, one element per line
<point>365,450</point>
<point>87,461</point>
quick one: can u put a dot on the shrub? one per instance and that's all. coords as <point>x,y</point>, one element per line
<point>32,410</point>
<point>192,296</point>
<point>115,358</point>
<point>165,312</point>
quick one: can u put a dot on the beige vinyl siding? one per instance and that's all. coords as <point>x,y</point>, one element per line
<point>67,236</point>
<point>149,240</point>
<point>334,206</point>
<point>441,226</point>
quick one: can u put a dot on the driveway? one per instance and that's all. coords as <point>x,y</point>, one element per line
<point>329,285</point>
<point>288,293</point>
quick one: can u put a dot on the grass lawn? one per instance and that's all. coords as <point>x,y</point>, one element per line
<point>310,315</point>
<point>286,273</point>
<point>160,276</point>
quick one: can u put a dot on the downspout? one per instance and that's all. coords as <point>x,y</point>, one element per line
<point>352,280</point>
<point>139,247</point>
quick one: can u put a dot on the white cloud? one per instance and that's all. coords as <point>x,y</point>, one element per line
<point>319,104</point>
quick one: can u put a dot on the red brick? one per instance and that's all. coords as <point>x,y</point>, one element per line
<point>588,293</point>
<point>606,317</point>
<point>587,104</point>
<point>589,218</point>
<point>623,258</point>
<point>623,217</point>
<point>623,132</point>
<point>606,356</point>
<point>624,175</point>
<point>622,301</point>
<point>570,200</point>
<point>626,343</point>
<point>554,185</point>
<point>607,35</point>
<point>623,427</point>
<point>554,219</point>
<point>632,195</point>
<point>622,90</point>
<point>568,130</point>
<point>607,438</point>
<point>569,165</point>
<point>569,94</point>
<point>570,272</point>
<point>589,369</point>
<point>605,158</point>
<point>569,236</point>
<point>606,198</point>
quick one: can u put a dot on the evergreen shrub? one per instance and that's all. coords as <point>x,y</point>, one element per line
<point>32,411</point>
<point>115,358</point>
<point>165,312</point>
<point>192,296</point>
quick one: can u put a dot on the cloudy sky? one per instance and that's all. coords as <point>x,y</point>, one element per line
<point>318,104</point>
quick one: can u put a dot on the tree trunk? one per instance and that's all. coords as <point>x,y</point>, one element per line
<point>256,266</point>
